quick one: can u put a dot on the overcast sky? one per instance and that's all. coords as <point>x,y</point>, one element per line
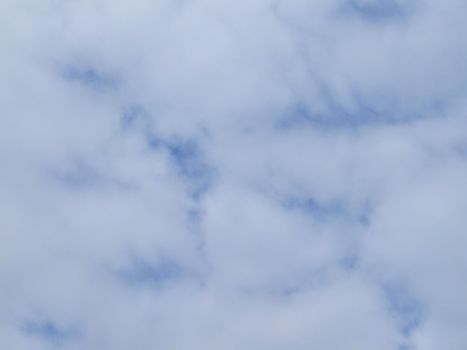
<point>233,174</point>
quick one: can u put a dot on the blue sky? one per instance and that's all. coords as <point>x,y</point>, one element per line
<point>213,174</point>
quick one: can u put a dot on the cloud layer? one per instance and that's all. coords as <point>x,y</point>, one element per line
<point>263,174</point>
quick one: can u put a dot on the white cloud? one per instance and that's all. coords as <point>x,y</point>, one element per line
<point>223,175</point>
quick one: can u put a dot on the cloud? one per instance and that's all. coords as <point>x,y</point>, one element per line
<point>233,175</point>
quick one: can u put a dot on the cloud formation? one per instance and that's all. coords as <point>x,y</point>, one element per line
<point>263,174</point>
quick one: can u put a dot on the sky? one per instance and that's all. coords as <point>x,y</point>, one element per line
<point>225,175</point>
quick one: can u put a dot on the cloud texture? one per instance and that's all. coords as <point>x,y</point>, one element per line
<point>212,174</point>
